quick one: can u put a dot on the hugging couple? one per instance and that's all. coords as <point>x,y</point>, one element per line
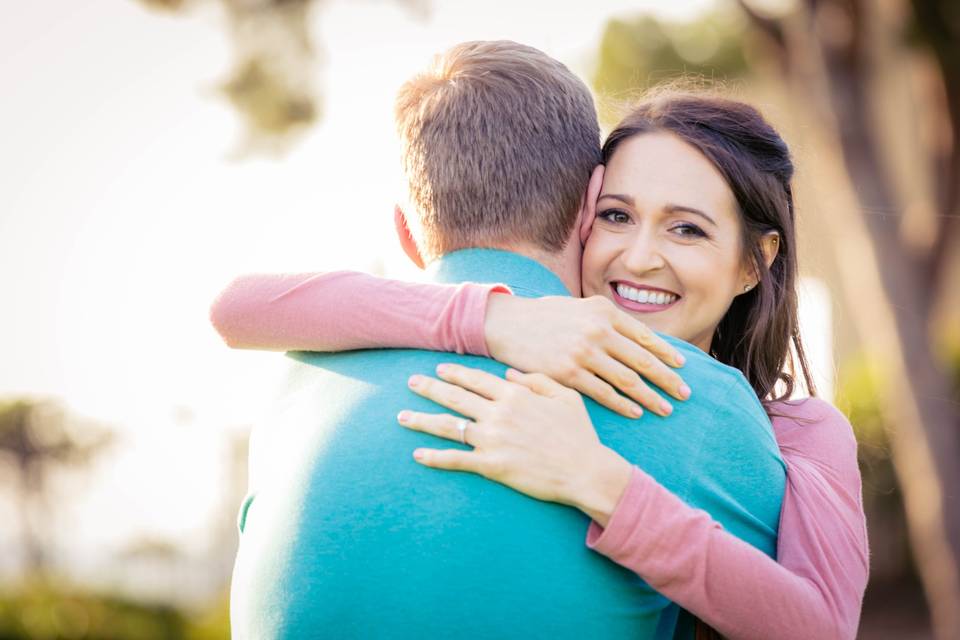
<point>580,427</point>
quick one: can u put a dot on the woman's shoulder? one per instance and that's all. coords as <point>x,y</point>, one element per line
<point>813,428</point>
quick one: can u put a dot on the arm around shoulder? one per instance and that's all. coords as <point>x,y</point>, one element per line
<point>344,310</point>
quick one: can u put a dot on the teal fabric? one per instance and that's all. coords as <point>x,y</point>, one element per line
<point>344,535</point>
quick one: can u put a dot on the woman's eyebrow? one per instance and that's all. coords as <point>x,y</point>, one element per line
<point>618,196</point>
<point>679,208</point>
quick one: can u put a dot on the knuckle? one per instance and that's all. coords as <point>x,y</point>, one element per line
<point>594,331</point>
<point>644,361</point>
<point>542,379</point>
<point>567,372</point>
<point>580,350</point>
<point>630,382</point>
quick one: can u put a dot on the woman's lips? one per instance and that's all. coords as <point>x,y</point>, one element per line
<point>642,307</point>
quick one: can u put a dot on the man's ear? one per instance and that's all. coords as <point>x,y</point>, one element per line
<point>407,242</point>
<point>588,209</point>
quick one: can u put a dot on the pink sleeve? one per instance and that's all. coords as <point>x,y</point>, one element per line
<point>816,589</point>
<point>344,310</point>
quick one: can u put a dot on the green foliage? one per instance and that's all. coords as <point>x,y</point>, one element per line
<point>42,610</point>
<point>638,53</point>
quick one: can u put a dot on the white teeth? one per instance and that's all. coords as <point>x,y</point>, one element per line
<point>645,296</point>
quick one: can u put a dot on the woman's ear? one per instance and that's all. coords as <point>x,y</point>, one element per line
<point>588,209</point>
<point>407,242</point>
<point>769,248</point>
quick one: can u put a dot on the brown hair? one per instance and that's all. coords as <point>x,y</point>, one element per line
<point>756,333</point>
<point>499,141</point>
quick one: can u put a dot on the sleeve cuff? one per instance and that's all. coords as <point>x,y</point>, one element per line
<point>474,338</point>
<point>623,520</point>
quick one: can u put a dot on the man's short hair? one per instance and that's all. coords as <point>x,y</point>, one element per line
<point>499,141</point>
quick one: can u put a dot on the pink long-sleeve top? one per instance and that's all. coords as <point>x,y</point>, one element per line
<point>813,590</point>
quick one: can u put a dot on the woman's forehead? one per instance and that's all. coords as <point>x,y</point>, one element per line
<point>655,169</point>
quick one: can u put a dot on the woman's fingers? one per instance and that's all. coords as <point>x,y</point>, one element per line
<point>643,335</point>
<point>450,459</point>
<point>628,381</point>
<point>536,382</point>
<point>449,395</point>
<point>480,382</point>
<point>442,425</point>
<point>593,387</point>
<point>586,383</point>
<point>640,361</point>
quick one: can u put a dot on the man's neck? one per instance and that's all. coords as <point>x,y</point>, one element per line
<point>565,264</point>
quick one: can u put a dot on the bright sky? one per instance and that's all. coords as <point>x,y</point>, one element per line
<point>121,215</point>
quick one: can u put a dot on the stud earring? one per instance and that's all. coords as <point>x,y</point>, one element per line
<point>747,287</point>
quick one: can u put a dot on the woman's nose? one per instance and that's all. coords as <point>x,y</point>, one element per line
<point>643,255</point>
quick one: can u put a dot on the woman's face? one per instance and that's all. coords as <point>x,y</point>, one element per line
<point>666,242</point>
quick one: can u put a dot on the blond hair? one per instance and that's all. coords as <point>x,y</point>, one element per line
<point>498,143</point>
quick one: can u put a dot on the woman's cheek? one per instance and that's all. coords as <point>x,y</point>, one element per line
<point>596,258</point>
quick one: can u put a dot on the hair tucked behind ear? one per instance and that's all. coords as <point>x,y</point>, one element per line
<point>759,329</point>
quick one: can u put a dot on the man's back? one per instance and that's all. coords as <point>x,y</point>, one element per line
<point>345,535</point>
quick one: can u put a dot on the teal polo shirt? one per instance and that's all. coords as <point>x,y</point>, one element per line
<point>343,535</point>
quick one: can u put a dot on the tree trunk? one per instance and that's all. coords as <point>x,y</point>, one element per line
<point>925,417</point>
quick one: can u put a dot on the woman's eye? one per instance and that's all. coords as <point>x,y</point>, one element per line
<point>615,216</point>
<point>688,229</point>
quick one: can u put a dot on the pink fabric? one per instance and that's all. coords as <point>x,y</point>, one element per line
<point>815,588</point>
<point>306,312</point>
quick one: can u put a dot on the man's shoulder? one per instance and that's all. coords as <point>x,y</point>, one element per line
<point>722,388</point>
<point>375,370</point>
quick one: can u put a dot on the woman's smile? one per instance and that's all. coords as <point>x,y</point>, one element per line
<point>642,298</point>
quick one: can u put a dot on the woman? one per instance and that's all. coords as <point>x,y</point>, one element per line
<point>693,235</point>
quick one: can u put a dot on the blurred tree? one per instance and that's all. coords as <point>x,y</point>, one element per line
<point>36,437</point>
<point>840,57</point>
<point>637,53</point>
<point>273,81</point>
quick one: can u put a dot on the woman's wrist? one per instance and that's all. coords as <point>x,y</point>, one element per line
<point>497,321</point>
<point>598,488</point>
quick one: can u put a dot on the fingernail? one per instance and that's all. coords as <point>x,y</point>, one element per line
<point>637,411</point>
<point>417,454</point>
<point>666,408</point>
<point>441,369</point>
<point>403,417</point>
<point>414,381</point>
<point>684,391</point>
<point>681,360</point>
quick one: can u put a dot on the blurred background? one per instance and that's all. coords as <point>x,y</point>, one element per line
<point>152,149</point>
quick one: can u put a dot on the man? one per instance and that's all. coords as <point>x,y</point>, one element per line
<point>344,535</point>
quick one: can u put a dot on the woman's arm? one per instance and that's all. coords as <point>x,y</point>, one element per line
<point>532,434</point>
<point>816,589</point>
<point>344,310</point>
<point>587,344</point>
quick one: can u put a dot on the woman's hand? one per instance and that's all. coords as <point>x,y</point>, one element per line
<point>528,432</point>
<point>586,344</point>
